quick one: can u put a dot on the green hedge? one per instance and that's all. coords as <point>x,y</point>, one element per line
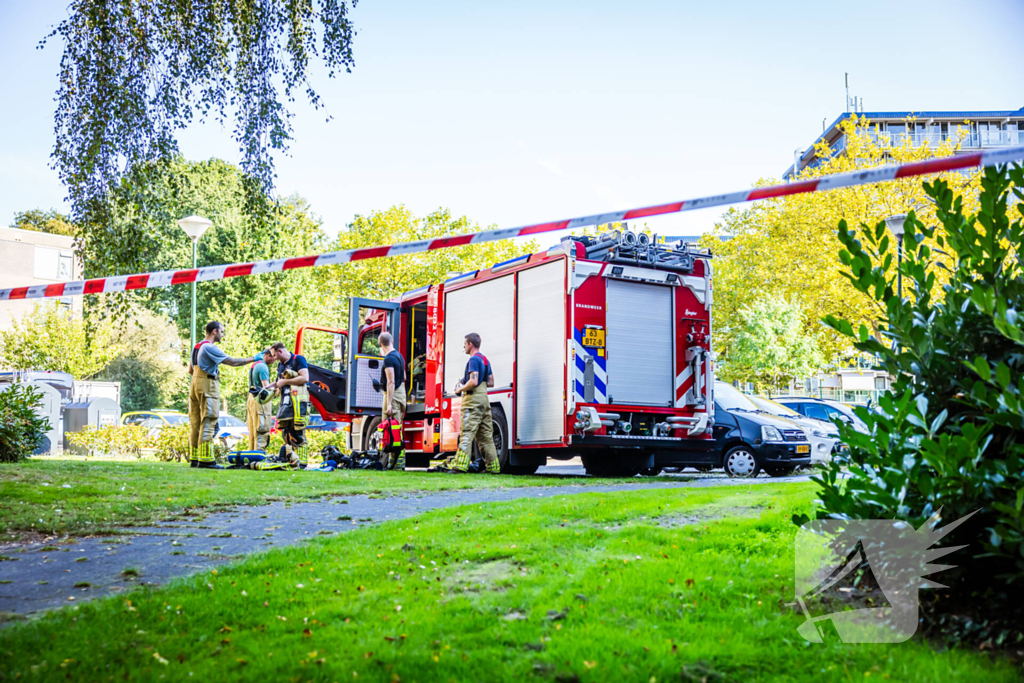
<point>951,434</point>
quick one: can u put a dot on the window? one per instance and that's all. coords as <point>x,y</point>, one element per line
<point>47,263</point>
<point>66,266</point>
<point>815,410</point>
<point>369,345</point>
<point>727,398</point>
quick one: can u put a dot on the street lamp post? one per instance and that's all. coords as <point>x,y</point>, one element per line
<point>194,227</point>
<point>895,224</point>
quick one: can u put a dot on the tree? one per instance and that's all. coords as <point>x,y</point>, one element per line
<point>145,208</point>
<point>770,345</point>
<point>52,339</point>
<point>385,278</point>
<point>134,73</point>
<point>149,365</point>
<point>787,246</point>
<point>51,221</point>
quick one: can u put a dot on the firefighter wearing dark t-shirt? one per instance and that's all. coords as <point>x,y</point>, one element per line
<point>393,387</point>
<point>476,410</point>
<point>293,414</point>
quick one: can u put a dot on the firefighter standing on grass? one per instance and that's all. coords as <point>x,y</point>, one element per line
<point>293,414</point>
<point>476,410</point>
<point>259,416</point>
<point>393,383</point>
<point>204,394</point>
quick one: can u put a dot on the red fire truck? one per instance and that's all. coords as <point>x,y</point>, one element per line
<point>600,348</point>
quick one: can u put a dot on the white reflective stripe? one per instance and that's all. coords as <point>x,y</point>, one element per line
<point>74,288</point>
<point>211,273</point>
<point>274,266</point>
<point>1000,156</point>
<point>164,278</point>
<point>871,175</point>
<point>717,200</point>
<point>410,247</point>
<point>115,284</point>
<point>334,258</point>
<point>597,219</point>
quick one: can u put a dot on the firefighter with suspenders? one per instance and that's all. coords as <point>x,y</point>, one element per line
<point>259,416</point>
<point>476,410</point>
<point>293,413</point>
<point>204,394</point>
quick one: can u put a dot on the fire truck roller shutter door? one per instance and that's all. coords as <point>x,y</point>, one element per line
<point>540,359</point>
<point>639,343</point>
<point>487,309</point>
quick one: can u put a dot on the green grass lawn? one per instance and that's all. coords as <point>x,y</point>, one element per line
<point>655,585</point>
<point>77,496</point>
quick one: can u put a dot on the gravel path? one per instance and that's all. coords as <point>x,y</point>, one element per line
<point>40,577</point>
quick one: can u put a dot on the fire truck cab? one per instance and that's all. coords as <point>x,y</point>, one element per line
<point>600,348</point>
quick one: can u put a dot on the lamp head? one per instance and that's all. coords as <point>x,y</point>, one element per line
<point>194,226</point>
<point>895,223</point>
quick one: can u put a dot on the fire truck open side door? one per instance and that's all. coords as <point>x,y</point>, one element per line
<point>367,319</point>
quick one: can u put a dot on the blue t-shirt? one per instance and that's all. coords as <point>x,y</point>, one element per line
<point>210,356</point>
<point>476,364</point>
<point>296,363</point>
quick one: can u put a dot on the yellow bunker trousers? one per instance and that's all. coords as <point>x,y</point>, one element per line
<point>259,419</point>
<point>477,427</point>
<point>203,409</point>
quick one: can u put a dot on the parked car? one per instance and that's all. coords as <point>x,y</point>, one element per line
<point>825,410</point>
<point>823,436</point>
<point>319,424</point>
<point>231,431</point>
<point>750,440</point>
<point>153,420</point>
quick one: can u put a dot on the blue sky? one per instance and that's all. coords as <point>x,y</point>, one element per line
<point>515,113</point>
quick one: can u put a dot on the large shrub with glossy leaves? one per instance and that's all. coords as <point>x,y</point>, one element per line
<point>21,430</point>
<point>950,434</point>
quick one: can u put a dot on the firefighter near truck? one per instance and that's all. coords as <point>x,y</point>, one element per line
<point>601,348</point>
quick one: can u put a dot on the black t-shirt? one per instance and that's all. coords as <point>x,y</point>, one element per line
<point>394,361</point>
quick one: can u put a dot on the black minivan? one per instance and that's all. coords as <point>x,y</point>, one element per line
<point>750,440</point>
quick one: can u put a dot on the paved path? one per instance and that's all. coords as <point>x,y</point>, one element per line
<point>44,576</point>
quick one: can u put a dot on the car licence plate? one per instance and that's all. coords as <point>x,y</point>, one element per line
<point>803,449</point>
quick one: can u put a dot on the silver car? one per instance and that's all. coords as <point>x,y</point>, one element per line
<point>824,436</point>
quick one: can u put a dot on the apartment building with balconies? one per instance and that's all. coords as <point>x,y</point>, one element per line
<point>981,130</point>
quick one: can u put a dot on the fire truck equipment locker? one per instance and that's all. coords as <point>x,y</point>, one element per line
<point>640,334</point>
<point>487,308</point>
<point>540,355</point>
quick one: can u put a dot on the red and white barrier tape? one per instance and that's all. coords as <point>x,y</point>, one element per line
<point>121,283</point>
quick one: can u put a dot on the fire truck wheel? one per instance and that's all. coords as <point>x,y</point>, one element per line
<point>651,471</point>
<point>371,436</point>
<point>741,461</point>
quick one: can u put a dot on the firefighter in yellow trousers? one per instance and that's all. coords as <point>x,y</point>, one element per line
<point>259,417</point>
<point>476,410</point>
<point>204,394</point>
